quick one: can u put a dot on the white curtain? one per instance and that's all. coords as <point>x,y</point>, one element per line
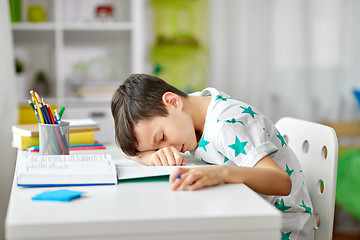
<point>298,58</point>
<point>8,111</point>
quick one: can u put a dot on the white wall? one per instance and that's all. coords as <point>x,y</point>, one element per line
<point>8,111</point>
<point>288,58</point>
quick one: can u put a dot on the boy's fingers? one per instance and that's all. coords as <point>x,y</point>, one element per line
<point>157,162</point>
<point>156,159</point>
<point>179,159</point>
<point>176,184</point>
<point>198,184</point>
<point>187,181</point>
<point>183,163</point>
<point>175,156</point>
<point>174,175</point>
<point>162,157</point>
<point>177,173</point>
<point>169,157</point>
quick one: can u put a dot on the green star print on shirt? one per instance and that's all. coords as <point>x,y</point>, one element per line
<point>249,111</point>
<point>307,209</point>
<point>285,236</point>
<point>218,97</point>
<point>225,158</point>
<point>281,206</point>
<point>281,139</point>
<point>238,146</point>
<point>233,120</point>
<point>288,171</point>
<point>203,143</point>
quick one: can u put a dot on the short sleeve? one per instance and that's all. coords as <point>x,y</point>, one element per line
<point>245,142</point>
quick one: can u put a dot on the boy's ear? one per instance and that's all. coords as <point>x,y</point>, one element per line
<point>171,99</point>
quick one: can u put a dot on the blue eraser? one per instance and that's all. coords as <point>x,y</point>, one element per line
<point>61,195</point>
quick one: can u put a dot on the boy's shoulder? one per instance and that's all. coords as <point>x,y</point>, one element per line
<point>222,106</point>
<point>207,92</point>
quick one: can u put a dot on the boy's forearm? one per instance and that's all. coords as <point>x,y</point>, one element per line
<point>142,157</point>
<point>266,181</point>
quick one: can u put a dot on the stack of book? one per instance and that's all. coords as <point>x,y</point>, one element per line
<point>26,136</point>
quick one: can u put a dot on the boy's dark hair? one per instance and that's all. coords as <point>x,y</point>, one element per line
<point>138,98</point>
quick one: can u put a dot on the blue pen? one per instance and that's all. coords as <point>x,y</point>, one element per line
<point>177,176</point>
<point>43,113</point>
<point>46,112</point>
<point>55,118</point>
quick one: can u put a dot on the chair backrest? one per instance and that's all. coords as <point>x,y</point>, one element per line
<point>316,147</point>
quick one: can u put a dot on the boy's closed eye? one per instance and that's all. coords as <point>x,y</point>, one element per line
<point>159,141</point>
<point>158,138</point>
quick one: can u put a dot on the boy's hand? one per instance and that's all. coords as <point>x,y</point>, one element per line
<point>196,178</point>
<point>167,156</point>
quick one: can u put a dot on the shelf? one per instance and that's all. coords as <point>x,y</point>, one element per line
<point>74,44</point>
<point>48,26</point>
<point>103,26</point>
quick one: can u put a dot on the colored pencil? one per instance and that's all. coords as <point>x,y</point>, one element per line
<point>33,107</point>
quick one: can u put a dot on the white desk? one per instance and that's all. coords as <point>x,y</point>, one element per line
<point>147,210</point>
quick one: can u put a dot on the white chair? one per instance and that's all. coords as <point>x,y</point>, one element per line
<point>316,147</point>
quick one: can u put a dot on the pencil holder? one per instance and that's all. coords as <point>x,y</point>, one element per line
<point>54,139</point>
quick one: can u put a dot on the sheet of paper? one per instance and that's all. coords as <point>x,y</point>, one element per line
<point>81,122</point>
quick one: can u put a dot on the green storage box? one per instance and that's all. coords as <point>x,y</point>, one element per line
<point>183,67</point>
<point>179,54</point>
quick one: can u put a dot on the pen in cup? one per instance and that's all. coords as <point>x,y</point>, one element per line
<point>61,111</point>
<point>57,117</point>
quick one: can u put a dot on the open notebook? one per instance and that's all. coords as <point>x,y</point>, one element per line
<point>129,169</point>
<point>66,170</point>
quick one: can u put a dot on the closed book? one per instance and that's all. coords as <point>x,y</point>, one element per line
<point>30,130</point>
<point>75,138</point>
<point>26,129</point>
<point>66,170</point>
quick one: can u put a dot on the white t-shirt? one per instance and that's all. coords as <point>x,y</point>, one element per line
<point>236,133</point>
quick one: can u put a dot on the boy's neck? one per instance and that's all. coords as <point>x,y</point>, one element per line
<point>197,107</point>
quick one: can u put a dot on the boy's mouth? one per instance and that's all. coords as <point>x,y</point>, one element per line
<point>182,148</point>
